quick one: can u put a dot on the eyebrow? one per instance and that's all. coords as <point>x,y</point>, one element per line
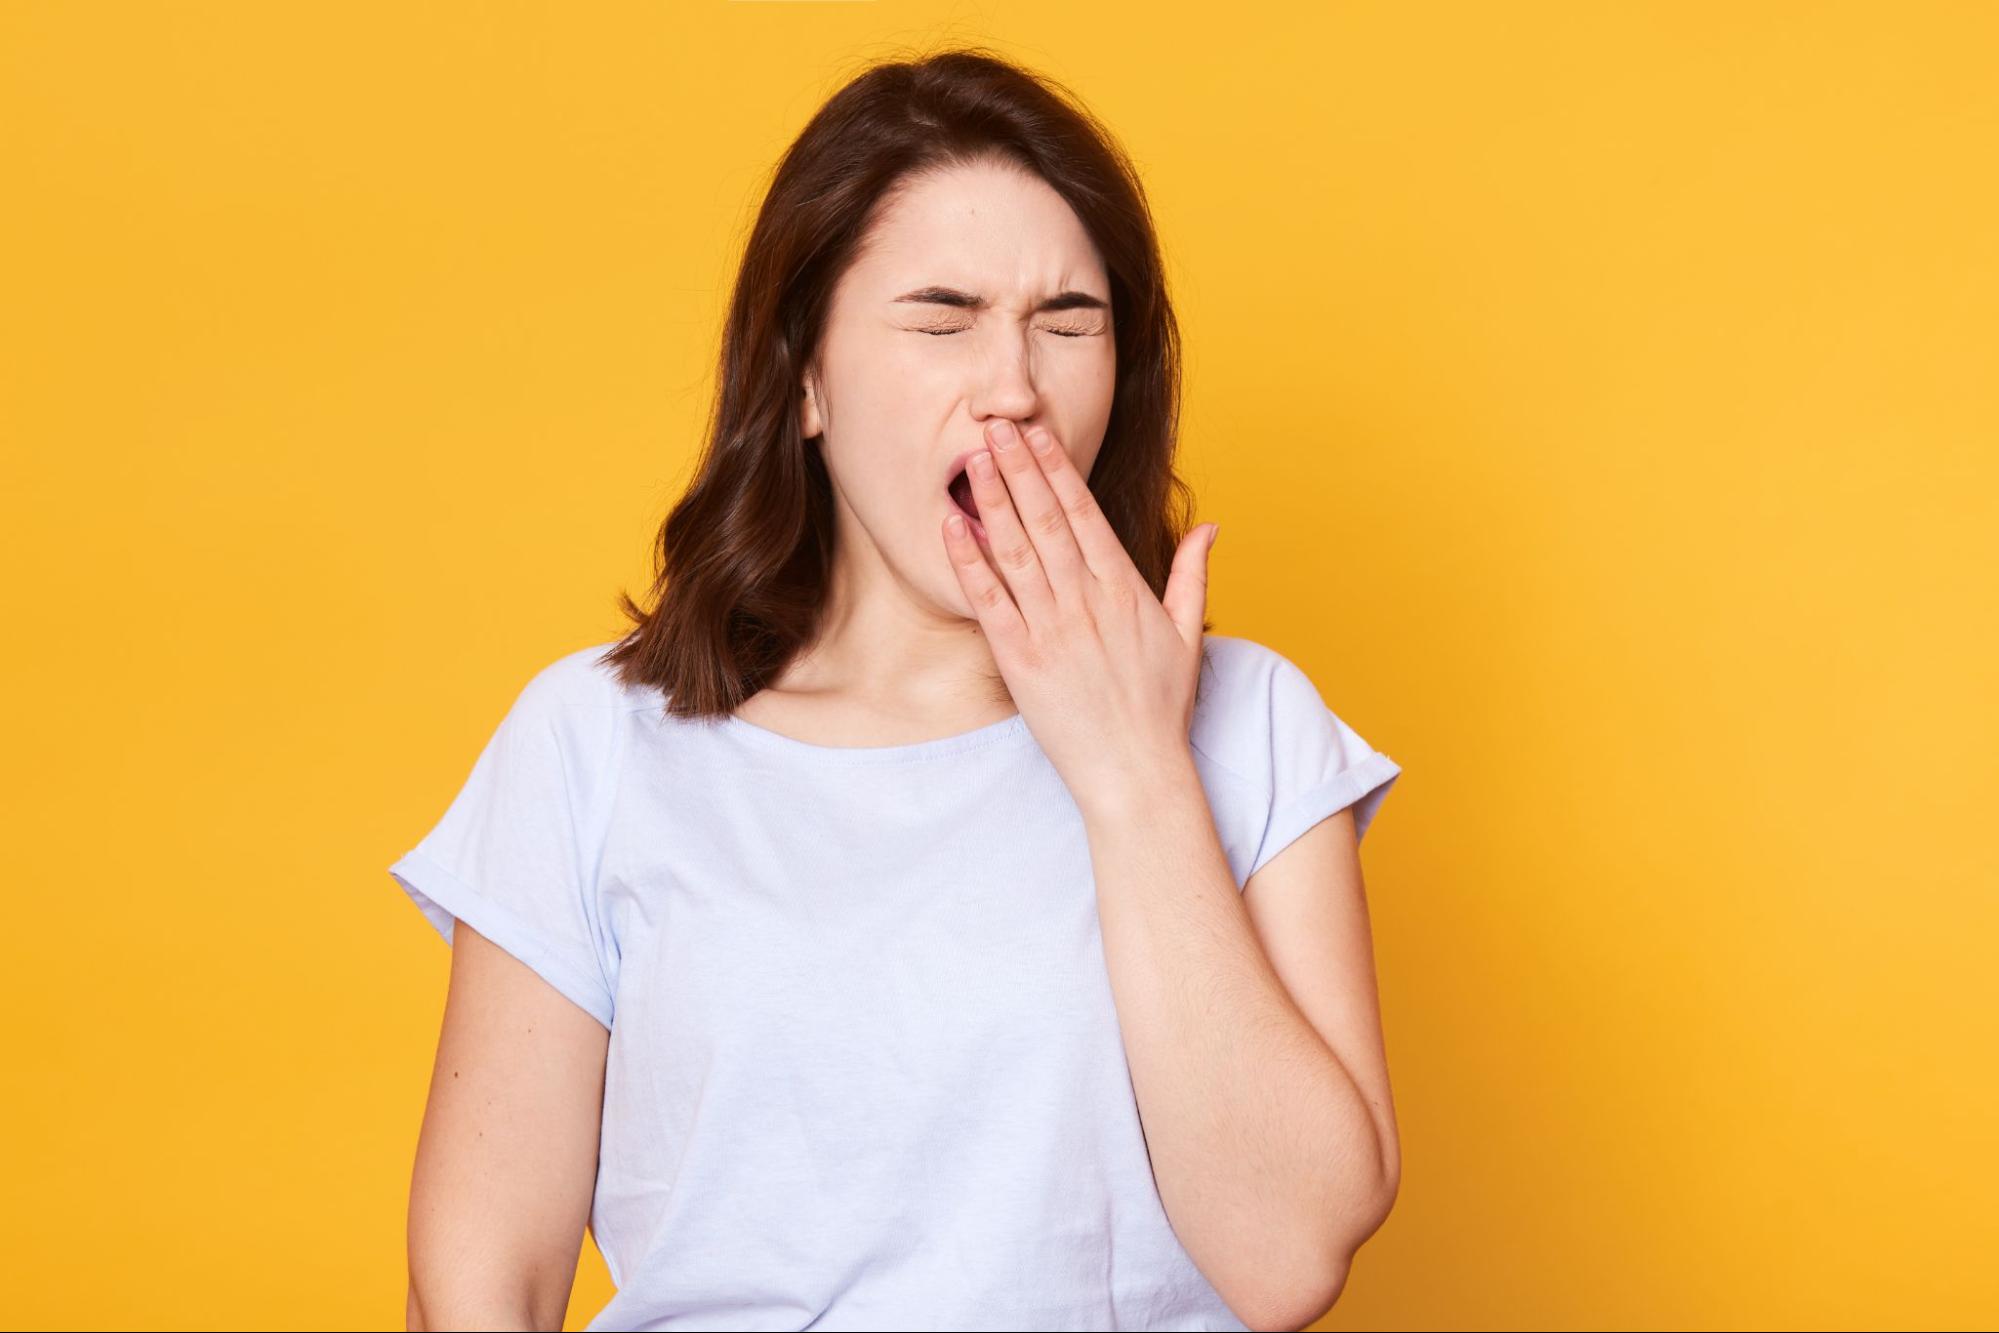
<point>951,296</point>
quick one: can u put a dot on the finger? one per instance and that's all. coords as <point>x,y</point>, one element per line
<point>1041,513</point>
<point>1186,599</point>
<point>990,601</point>
<point>1013,552</point>
<point>1102,552</point>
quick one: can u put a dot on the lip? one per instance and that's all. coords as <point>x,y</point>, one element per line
<point>978,528</point>
<point>959,463</point>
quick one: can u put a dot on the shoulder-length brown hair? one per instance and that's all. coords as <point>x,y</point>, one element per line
<point>743,558</point>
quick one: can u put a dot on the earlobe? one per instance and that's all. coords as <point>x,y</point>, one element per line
<point>808,415</point>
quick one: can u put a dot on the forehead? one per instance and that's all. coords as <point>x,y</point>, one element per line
<point>991,229</point>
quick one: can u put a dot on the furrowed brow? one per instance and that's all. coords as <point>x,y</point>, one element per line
<point>951,296</point>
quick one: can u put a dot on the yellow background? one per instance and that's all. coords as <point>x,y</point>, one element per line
<point>1598,401</point>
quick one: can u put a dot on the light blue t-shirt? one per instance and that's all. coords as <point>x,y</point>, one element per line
<point>865,1069</point>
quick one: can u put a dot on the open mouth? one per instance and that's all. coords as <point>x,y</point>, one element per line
<point>968,504</point>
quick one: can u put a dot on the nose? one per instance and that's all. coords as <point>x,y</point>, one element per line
<point>1005,386</point>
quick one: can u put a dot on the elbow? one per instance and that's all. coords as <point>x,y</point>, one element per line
<point>473,1310</point>
<point>1301,1304</point>
<point>1385,1191</point>
<point>1324,1297</point>
<point>1298,1284</point>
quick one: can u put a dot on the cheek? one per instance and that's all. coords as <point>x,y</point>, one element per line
<point>883,455</point>
<point>894,381</point>
<point>863,466</point>
<point>1084,378</point>
<point>1086,463</point>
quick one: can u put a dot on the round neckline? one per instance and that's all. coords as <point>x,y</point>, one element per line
<point>1007,729</point>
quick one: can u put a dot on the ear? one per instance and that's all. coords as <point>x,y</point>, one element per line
<point>809,425</point>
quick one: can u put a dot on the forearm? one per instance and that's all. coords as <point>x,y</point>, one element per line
<point>1264,1150</point>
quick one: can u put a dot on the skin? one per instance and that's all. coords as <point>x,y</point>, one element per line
<point>1249,1017</point>
<point>506,1162</point>
<point>898,391</point>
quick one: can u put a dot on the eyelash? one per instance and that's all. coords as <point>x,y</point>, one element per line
<point>1060,333</point>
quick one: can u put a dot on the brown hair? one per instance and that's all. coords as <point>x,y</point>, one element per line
<point>742,560</point>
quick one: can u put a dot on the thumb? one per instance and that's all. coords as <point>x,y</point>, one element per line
<point>1186,599</point>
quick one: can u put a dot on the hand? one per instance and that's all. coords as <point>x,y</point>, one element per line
<point>1104,673</point>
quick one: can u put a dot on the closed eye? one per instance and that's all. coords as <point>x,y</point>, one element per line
<point>1060,333</point>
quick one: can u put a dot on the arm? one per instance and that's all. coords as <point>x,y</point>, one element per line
<point>1263,1094</point>
<point>506,1161</point>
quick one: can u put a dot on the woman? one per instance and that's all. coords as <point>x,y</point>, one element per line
<point>890,930</point>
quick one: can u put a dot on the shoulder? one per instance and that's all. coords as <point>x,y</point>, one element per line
<point>1234,664</point>
<point>580,686</point>
<point>1261,718</point>
<point>1241,680</point>
<point>1255,704</point>
<point>1232,705</point>
<point>569,717</point>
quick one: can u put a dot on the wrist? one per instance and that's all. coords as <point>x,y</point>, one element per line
<point>1143,787</point>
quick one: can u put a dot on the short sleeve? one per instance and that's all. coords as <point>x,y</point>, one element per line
<point>508,856</point>
<point>1318,765</point>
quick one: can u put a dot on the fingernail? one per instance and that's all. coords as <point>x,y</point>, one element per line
<point>982,464</point>
<point>1214,534</point>
<point>1040,441</point>
<point>1003,435</point>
